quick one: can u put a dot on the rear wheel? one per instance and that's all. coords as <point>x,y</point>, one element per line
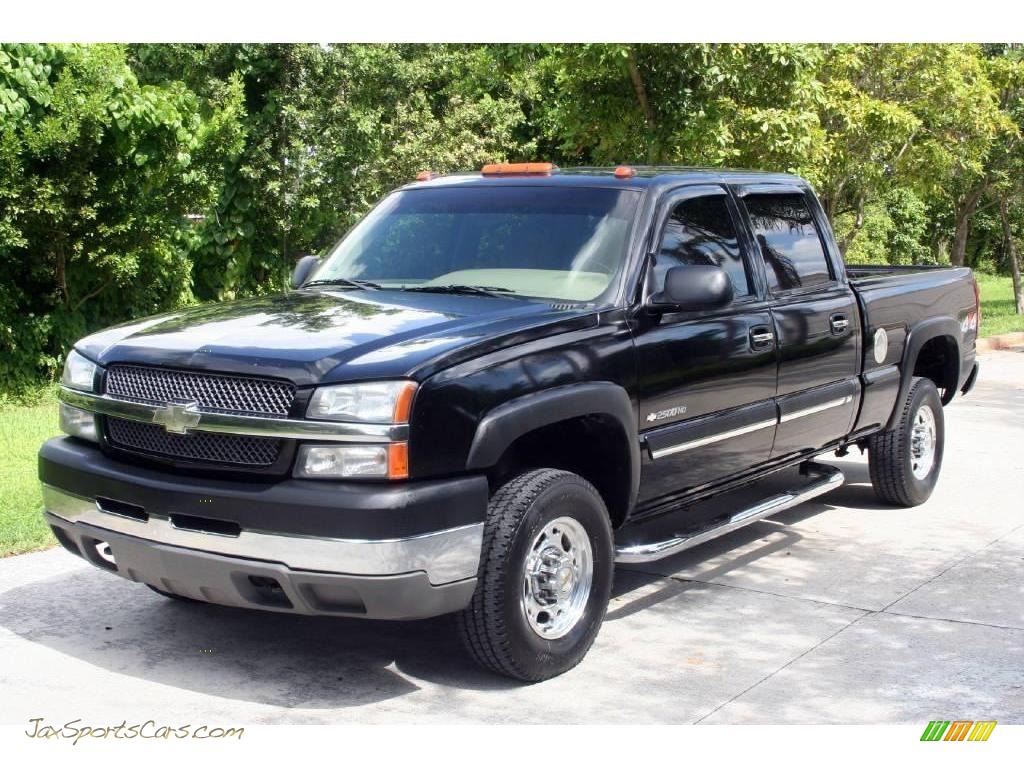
<point>905,461</point>
<point>545,576</point>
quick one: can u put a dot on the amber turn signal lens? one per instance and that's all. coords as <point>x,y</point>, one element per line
<point>403,403</point>
<point>398,461</point>
<point>496,169</point>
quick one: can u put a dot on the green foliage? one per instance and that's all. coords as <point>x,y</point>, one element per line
<point>739,105</point>
<point>134,179</point>
<point>894,231</point>
<point>97,174</point>
<point>327,131</point>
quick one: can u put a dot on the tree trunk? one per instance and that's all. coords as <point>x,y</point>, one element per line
<point>62,275</point>
<point>640,89</point>
<point>858,222</point>
<point>1011,252</point>
<point>282,154</point>
<point>964,212</point>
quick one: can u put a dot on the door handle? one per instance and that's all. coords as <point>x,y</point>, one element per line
<point>761,337</point>
<point>839,323</point>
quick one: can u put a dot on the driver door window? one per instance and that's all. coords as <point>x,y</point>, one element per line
<point>700,230</point>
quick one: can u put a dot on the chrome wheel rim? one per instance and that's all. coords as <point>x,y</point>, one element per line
<point>922,442</point>
<point>557,578</point>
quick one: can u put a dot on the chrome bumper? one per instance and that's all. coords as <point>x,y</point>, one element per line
<point>444,556</point>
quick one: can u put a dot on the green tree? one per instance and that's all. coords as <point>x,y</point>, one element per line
<point>919,116</point>
<point>740,105</point>
<point>97,174</point>
<point>328,130</point>
<point>1007,75</point>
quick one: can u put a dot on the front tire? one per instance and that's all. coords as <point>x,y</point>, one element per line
<point>545,576</point>
<point>905,461</point>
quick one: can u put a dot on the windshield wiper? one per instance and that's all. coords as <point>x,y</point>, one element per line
<point>481,290</point>
<point>344,281</point>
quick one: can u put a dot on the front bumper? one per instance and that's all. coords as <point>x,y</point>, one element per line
<point>298,546</point>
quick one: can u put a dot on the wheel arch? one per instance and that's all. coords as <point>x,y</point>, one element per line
<point>932,351</point>
<point>597,420</point>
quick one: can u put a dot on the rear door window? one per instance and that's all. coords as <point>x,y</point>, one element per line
<point>788,239</point>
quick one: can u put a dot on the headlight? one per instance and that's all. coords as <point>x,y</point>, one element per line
<point>77,423</point>
<point>339,461</point>
<point>79,372</point>
<point>379,401</point>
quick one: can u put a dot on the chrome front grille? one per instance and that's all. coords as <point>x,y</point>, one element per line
<point>208,447</point>
<point>213,393</point>
<point>220,393</point>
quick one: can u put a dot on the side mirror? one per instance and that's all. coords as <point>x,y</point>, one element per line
<point>303,269</point>
<point>695,286</point>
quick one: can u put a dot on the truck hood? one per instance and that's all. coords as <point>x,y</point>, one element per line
<point>316,336</point>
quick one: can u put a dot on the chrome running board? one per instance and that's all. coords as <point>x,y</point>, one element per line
<point>826,479</point>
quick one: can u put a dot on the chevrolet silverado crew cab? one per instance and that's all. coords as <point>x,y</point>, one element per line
<point>494,388</point>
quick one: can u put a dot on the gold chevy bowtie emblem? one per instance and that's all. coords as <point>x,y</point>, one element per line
<point>178,418</point>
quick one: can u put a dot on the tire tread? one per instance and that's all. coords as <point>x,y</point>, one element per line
<point>887,451</point>
<point>481,625</point>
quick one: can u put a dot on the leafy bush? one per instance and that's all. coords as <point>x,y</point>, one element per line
<point>97,174</point>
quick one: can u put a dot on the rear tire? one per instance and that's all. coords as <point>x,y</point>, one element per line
<point>545,576</point>
<point>905,461</point>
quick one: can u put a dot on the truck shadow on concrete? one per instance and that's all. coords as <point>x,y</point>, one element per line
<point>732,552</point>
<point>311,662</point>
<point>269,658</point>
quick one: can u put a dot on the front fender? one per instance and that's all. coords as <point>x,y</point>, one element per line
<point>508,422</point>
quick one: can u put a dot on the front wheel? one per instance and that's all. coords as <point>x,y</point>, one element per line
<point>545,576</point>
<point>905,461</point>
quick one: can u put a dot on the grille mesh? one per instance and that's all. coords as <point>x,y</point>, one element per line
<point>213,392</point>
<point>211,447</point>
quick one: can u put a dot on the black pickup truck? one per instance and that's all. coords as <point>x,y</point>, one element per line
<point>483,395</point>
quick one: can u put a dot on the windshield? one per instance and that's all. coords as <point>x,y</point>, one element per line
<point>563,243</point>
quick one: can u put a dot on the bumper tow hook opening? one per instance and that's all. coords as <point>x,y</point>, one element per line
<point>105,553</point>
<point>270,591</point>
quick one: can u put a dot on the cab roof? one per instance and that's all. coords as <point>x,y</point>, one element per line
<point>642,177</point>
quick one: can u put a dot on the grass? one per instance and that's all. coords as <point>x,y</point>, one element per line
<point>23,428</point>
<point>997,310</point>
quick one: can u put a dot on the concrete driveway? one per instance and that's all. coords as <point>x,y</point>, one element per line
<point>840,611</point>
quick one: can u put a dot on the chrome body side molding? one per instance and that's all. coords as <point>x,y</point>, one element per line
<point>690,444</point>
<point>816,409</point>
<point>747,429</point>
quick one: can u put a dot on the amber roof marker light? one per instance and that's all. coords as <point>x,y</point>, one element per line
<point>501,169</point>
<point>624,172</point>
<point>425,175</point>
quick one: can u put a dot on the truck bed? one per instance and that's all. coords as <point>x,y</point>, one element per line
<point>861,274</point>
